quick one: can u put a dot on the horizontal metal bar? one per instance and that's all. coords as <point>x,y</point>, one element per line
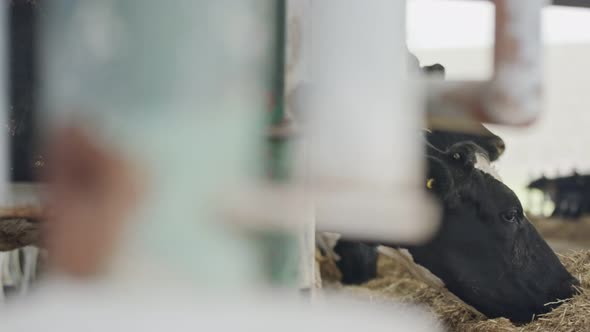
<point>568,3</point>
<point>572,3</point>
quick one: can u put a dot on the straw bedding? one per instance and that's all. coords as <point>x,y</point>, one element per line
<point>395,282</point>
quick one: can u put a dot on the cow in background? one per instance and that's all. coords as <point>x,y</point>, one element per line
<point>570,194</point>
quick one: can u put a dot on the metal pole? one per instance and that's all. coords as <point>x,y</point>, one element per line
<point>362,116</point>
<point>513,95</point>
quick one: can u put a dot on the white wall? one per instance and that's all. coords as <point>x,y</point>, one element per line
<point>560,140</point>
<point>458,34</point>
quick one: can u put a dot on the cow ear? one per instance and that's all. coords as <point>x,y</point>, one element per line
<point>439,179</point>
<point>467,154</point>
<point>436,70</point>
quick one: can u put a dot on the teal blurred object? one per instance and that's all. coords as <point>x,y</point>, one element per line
<point>281,247</point>
<point>181,87</point>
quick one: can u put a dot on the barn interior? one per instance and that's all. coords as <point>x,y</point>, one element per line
<point>415,165</point>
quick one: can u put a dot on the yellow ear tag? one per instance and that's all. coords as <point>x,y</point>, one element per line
<point>429,183</point>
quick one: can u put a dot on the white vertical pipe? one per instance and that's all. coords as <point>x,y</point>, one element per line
<point>3,271</point>
<point>178,87</point>
<point>515,89</point>
<point>513,95</point>
<point>362,122</point>
<point>357,69</point>
<point>30,268</point>
<point>296,75</point>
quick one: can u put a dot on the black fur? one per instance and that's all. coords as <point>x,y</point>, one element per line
<point>486,251</point>
<point>358,261</point>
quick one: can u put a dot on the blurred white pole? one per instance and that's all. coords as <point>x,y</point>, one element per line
<point>179,87</point>
<point>515,91</point>
<point>31,256</point>
<point>360,128</point>
<point>3,258</point>
<point>359,164</point>
<point>296,74</point>
<point>513,95</point>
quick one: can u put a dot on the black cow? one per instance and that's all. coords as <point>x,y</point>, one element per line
<point>357,261</point>
<point>486,251</point>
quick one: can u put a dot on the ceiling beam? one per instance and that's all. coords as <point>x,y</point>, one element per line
<point>569,3</point>
<point>572,3</point>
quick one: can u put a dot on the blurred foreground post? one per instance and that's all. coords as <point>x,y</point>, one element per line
<point>178,89</point>
<point>362,115</point>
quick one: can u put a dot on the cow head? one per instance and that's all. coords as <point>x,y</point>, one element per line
<point>486,251</point>
<point>493,145</point>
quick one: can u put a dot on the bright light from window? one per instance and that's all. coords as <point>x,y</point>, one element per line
<point>438,24</point>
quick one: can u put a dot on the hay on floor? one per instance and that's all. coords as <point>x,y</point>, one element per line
<point>394,282</point>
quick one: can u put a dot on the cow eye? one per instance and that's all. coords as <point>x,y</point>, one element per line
<point>510,216</point>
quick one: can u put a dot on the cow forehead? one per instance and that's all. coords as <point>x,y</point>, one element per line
<point>483,164</point>
<point>495,194</point>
